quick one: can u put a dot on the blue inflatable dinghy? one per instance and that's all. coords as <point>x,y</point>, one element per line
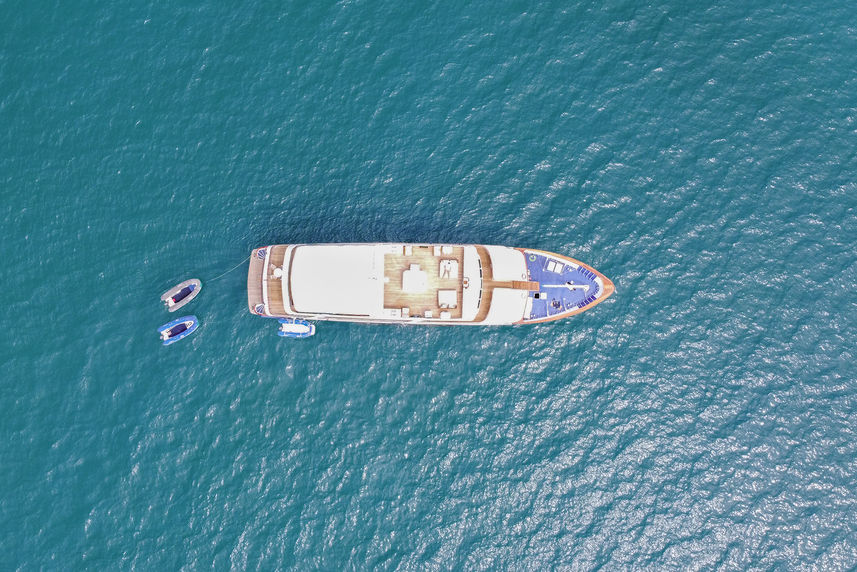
<point>178,329</point>
<point>295,328</point>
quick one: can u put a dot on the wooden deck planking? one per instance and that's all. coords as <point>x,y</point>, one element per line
<point>275,286</point>
<point>418,304</point>
<point>254,281</point>
<point>512,285</point>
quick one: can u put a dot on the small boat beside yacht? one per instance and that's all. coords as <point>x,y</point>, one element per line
<point>295,328</point>
<point>178,329</point>
<point>181,294</point>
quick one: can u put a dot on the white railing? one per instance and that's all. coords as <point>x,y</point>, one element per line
<point>265,279</point>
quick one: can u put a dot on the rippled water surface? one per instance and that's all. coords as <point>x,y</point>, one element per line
<point>701,157</point>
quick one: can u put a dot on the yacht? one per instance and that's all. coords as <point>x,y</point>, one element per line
<point>438,284</point>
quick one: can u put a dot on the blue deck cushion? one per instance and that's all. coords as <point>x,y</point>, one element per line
<point>176,330</point>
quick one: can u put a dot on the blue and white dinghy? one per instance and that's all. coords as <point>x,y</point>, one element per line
<point>178,329</point>
<point>295,328</point>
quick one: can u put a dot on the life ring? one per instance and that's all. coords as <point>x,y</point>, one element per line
<point>466,282</point>
<point>532,258</point>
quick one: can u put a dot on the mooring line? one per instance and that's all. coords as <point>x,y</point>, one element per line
<point>231,269</point>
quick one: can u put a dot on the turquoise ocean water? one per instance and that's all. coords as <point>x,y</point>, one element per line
<point>702,157</point>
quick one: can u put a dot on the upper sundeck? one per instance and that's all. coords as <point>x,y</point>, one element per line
<point>383,281</point>
<point>427,281</point>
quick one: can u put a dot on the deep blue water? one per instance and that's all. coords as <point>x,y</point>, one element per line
<point>702,157</point>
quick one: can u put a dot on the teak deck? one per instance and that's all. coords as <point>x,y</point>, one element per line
<point>275,286</point>
<point>418,304</point>
<point>254,282</point>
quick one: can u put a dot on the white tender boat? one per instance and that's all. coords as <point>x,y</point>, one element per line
<point>181,294</point>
